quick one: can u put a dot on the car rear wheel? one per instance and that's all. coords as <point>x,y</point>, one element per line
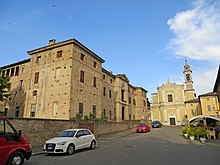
<point>92,145</point>
<point>70,149</point>
<point>17,158</point>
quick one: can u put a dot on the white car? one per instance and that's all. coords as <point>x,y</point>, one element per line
<point>70,140</point>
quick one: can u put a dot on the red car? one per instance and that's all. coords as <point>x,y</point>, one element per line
<point>14,148</point>
<point>142,127</point>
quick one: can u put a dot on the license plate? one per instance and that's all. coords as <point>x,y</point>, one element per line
<point>49,148</point>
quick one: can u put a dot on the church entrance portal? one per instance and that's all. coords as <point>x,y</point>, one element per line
<point>172,121</point>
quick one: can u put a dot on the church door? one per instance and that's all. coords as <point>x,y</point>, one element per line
<point>172,121</point>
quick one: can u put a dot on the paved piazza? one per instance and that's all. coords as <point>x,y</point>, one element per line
<point>161,146</point>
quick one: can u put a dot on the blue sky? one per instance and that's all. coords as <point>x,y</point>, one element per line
<point>148,40</point>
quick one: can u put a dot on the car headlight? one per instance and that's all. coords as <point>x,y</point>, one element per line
<point>61,143</point>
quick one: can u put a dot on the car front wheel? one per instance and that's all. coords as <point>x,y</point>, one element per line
<point>70,149</point>
<point>16,158</point>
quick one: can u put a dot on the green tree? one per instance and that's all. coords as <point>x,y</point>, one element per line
<point>3,86</point>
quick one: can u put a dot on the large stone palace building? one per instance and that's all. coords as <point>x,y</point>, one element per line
<point>64,79</point>
<point>168,104</point>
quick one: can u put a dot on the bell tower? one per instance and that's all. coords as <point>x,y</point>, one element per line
<point>189,90</point>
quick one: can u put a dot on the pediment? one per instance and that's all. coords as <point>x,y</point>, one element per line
<point>123,77</point>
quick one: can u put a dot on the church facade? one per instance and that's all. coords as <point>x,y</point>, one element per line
<point>168,103</point>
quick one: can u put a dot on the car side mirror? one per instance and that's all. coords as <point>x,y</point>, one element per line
<point>17,135</point>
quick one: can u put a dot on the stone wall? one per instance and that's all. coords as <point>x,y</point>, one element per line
<point>39,130</point>
<point>112,127</point>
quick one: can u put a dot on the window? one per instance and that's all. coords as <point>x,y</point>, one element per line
<point>82,73</point>
<point>82,57</point>
<point>23,69</point>
<point>104,113</point>
<point>86,132</point>
<point>144,103</point>
<point>33,110</point>
<point>81,108</point>
<point>94,81</point>
<point>94,64</point>
<point>7,72</point>
<point>103,77</point>
<point>35,93</point>
<point>5,111</point>
<point>36,78</point>
<point>12,71</point>
<point>170,98</point>
<point>17,111</point>
<point>104,91</point>
<point>3,73</point>
<point>129,100</point>
<point>192,111</point>
<point>57,74</point>
<point>16,70</point>
<point>21,84</point>
<point>110,115</point>
<point>38,59</point>
<point>59,54</point>
<point>94,110</point>
<point>110,94</point>
<point>209,108</point>
<point>187,77</point>
<point>134,102</point>
<point>111,81</point>
<point>207,99</point>
<point>122,95</point>
<point>129,116</point>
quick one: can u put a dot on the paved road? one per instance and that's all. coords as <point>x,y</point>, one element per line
<point>163,146</point>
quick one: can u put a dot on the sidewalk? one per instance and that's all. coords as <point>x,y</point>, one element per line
<point>107,137</point>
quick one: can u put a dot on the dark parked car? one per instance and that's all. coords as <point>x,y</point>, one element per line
<point>156,124</point>
<point>142,127</point>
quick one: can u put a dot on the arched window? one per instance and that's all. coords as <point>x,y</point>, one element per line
<point>170,98</point>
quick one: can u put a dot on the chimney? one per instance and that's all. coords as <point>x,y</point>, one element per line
<point>51,42</point>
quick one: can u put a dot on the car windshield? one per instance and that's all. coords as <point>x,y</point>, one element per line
<point>156,122</point>
<point>67,134</point>
<point>142,124</point>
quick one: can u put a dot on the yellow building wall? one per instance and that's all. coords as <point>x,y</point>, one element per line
<point>193,109</point>
<point>209,105</point>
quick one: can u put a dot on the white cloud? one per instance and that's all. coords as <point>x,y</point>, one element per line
<point>197,31</point>
<point>204,81</point>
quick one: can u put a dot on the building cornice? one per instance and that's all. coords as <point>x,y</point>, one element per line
<point>17,63</point>
<point>67,42</point>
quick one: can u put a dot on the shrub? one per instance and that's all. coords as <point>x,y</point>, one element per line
<point>184,129</point>
<point>201,132</point>
<point>191,131</point>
